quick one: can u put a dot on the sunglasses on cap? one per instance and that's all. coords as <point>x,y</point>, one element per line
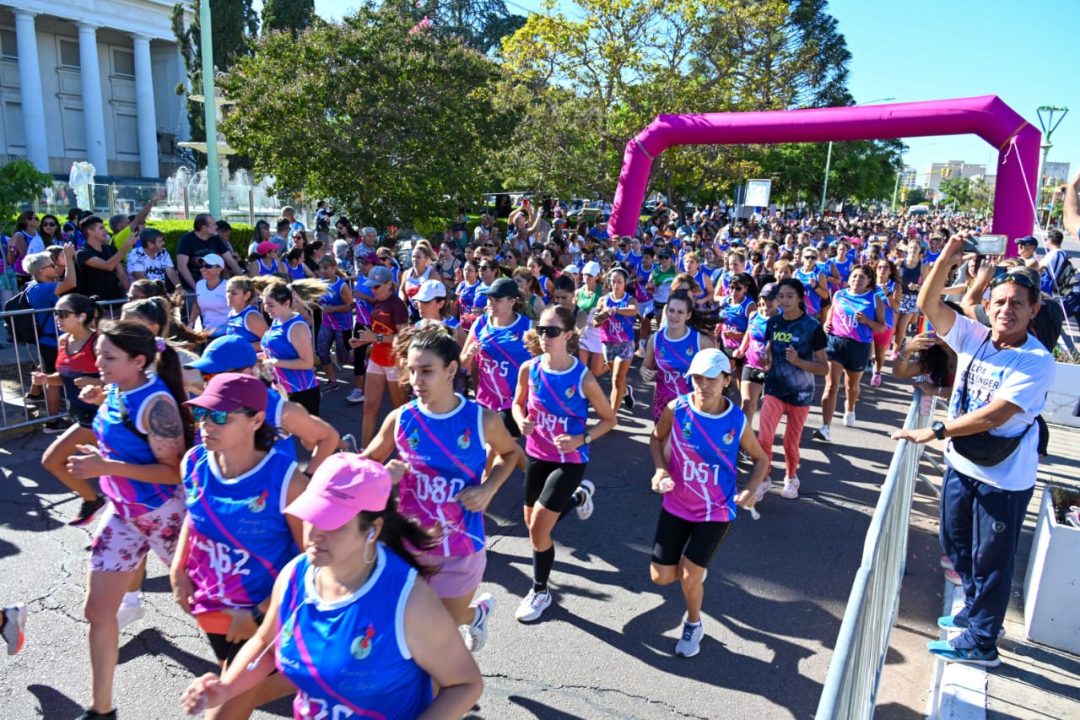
<point>218,417</point>
<point>1020,279</point>
<point>203,265</point>
<point>550,331</point>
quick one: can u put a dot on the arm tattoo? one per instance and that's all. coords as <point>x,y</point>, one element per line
<point>165,420</point>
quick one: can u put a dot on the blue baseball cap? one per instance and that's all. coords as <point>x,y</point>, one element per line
<point>379,275</point>
<point>225,354</point>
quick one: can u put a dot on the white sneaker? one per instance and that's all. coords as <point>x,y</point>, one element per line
<point>824,434</point>
<point>14,623</point>
<point>791,488</point>
<point>762,490</point>
<point>585,509</point>
<point>533,606</point>
<point>355,397</point>
<point>129,612</point>
<point>477,631</point>
<point>689,644</point>
<point>849,419</point>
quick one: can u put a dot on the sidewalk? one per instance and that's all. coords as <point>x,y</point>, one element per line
<point>1034,681</point>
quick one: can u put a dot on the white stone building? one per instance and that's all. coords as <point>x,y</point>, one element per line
<point>91,80</point>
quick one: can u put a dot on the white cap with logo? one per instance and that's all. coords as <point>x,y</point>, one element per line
<point>709,363</point>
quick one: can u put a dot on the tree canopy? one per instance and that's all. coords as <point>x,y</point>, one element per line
<point>290,16</point>
<point>392,124</point>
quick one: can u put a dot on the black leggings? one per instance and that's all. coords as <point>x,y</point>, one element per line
<point>309,399</point>
<point>552,483</point>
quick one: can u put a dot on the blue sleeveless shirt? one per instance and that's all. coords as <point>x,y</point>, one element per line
<point>236,324</point>
<point>276,344</point>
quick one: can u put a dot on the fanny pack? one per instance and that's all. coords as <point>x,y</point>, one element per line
<point>984,449</point>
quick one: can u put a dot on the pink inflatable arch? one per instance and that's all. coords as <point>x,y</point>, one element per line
<point>986,116</point>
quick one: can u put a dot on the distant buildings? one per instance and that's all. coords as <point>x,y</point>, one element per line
<point>1056,173</point>
<point>937,172</point>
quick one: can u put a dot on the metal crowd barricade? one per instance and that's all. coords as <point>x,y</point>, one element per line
<point>851,685</point>
<point>18,360</point>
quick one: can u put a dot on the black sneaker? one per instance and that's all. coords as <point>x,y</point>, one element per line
<point>628,399</point>
<point>54,426</point>
<point>89,714</point>
<point>87,511</point>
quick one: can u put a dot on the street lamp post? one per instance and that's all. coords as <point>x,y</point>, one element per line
<point>213,171</point>
<point>828,155</point>
<point>1048,125</point>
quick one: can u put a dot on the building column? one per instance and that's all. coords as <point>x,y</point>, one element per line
<point>33,105</point>
<point>93,107</point>
<point>147,115</point>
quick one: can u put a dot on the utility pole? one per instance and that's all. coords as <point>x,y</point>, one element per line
<point>213,169</point>
<point>896,189</point>
<point>828,156</point>
<point>1048,125</point>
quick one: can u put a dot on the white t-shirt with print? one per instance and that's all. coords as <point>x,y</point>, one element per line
<point>1021,376</point>
<point>153,267</point>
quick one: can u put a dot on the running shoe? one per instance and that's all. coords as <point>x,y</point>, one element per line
<point>350,442</point>
<point>949,622</point>
<point>628,399</point>
<point>689,644</point>
<point>533,606</point>
<point>87,511</point>
<point>890,355</point>
<point>791,488</point>
<point>762,490</point>
<point>54,426</point>
<point>953,577</point>
<point>585,507</point>
<point>14,624</point>
<point>129,612</point>
<point>328,387</point>
<point>89,714</point>
<point>824,434</point>
<point>875,380</point>
<point>477,630</point>
<point>849,419</point>
<point>946,562</point>
<point>973,656</point>
<point>355,397</point>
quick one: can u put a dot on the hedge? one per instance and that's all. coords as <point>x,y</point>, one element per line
<point>173,229</point>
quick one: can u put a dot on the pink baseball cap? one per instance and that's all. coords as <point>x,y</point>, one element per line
<point>343,486</point>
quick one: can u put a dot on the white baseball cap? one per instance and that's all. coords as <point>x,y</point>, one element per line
<point>213,259</point>
<point>430,290</point>
<point>591,268</point>
<point>572,269</point>
<point>709,362</point>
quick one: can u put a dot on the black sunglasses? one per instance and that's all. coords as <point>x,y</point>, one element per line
<point>1016,278</point>
<point>551,331</point>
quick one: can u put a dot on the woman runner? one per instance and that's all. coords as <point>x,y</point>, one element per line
<point>245,319</point>
<point>794,354</point>
<point>237,538</point>
<point>888,287</point>
<point>337,319</point>
<point>447,441</point>
<point>695,448</point>
<point>551,406</point>
<point>670,350</point>
<point>354,625</point>
<point>141,434</point>
<point>815,289</point>
<point>286,346</point>
<point>614,315</point>
<point>752,352</point>
<point>590,349</point>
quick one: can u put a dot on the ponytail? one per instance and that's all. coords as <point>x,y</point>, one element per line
<point>402,535</point>
<point>305,291</point>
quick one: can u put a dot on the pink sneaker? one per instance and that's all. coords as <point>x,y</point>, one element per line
<point>953,577</point>
<point>875,380</point>
<point>762,490</point>
<point>791,488</point>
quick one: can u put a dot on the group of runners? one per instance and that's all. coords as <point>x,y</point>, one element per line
<point>349,573</point>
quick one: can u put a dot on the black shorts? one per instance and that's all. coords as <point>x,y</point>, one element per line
<point>551,483</point>
<point>224,650</point>
<point>309,399</point>
<point>851,354</point>
<point>510,423</point>
<point>753,375</point>
<point>696,541</point>
<point>48,358</point>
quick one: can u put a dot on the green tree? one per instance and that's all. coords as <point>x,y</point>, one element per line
<point>20,184</point>
<point>392,125</point>
<point>915,196</point>
<point>480,24</point>
<point>287,15</point>
<point>234,22</point>
<point>956,191</point>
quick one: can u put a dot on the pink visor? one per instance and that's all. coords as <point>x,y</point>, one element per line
<point>343,486</point>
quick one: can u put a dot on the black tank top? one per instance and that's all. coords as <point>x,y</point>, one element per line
<point>909,275</point>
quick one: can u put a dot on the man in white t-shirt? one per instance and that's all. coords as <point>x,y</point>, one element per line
<point>151,260</point>
<point>1003,374</point>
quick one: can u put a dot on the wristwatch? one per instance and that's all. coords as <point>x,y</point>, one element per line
<point>588,439</point>
<point>939,429</point>
<point>379,337</point>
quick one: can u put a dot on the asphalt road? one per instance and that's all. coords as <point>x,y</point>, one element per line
<point>774,596</point>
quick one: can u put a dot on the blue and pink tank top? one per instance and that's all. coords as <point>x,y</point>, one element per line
<point>886,293</point>
<point>672,358</point>
<point>121,435</point>
<point>274,268</point>
<point>236,324</point>
<point>616,328</point>
<point>238,539</point>
<point>468,309</point>
<point>335,320</point>
<point>755,348</point>
<point>276,344</point>
<point>810,282</point>
<point>846,305</point>
<point>445,454</point>
<point>703,462</point>
<point>501,354</point>
<point>557,406</point>
<point>349,658</point>
<point>736,318</point>
<point>297,272</point>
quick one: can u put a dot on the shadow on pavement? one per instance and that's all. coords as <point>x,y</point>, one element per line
<point>53,703</point>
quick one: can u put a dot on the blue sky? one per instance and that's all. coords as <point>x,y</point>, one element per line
<point>1027,52</point>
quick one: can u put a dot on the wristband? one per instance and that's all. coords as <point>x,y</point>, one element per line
<point>257,615</point>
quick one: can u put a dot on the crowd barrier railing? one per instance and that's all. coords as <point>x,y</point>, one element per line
<point>20,356</point>
<point>851,685</point>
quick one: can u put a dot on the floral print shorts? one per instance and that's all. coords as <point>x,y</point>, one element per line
<point>121,543</point>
